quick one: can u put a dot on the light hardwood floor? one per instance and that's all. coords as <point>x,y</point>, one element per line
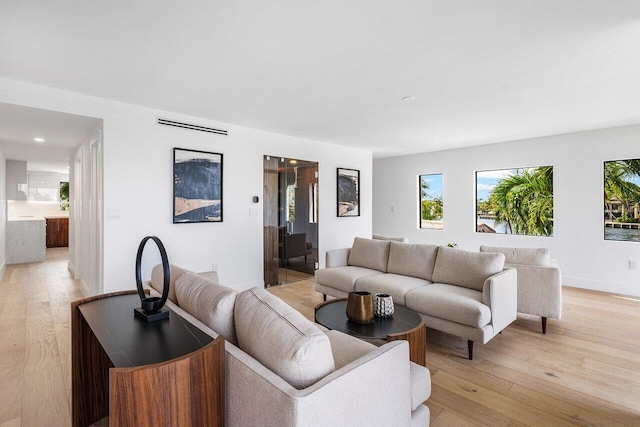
<point>585,371</point>
<point>35,342</point>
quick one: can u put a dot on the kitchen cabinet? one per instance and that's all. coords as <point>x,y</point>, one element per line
<point>57,232</point>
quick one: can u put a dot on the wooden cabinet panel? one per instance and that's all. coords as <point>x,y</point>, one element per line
<point>57,232</point>
<point>173,376</point>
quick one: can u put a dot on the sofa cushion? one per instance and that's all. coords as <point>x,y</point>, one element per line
<point>465,268</point>
<point>209,302</point>
<point>343,278</point>
<point>282,339</point>
<point>528,256</point>
<point>450,302</point>
<point>157,279</point>
<point>412,259</point>
<point>390,238</point>
<point>393,284</point>
<point>368,253</point>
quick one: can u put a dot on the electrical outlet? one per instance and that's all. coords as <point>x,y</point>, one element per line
<point>633,264</point>
<point>214,267</point>
<point>317,265</point>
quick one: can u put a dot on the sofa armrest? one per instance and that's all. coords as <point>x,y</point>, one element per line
<point>500,293</point>
<point>539,289</point>
<point>337,258</point>
<point>375,386</point>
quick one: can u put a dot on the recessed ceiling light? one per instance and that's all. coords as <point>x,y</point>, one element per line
<point>38,139</point>
<point>408,98</point>
<point>293,162</point>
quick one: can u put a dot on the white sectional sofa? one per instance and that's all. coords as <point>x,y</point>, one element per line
<point>463,293</point>
<point>539,281</point>
<point>283,370</point>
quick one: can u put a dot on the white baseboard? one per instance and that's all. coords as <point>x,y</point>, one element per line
<point>597,285</point>
<point>4,265</point>
<point>71,269</point>
<point>85,289</point>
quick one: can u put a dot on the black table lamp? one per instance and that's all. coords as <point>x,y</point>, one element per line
<point>151,307</point>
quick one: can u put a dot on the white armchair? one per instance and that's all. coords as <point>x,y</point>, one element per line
<point>539,281</point>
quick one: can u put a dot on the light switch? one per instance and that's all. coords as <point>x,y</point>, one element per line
<point>113,213</point>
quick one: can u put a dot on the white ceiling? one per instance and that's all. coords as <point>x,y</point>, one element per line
<point>63,133</point>
<point>481,71</point>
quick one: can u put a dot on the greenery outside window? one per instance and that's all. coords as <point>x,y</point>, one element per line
<point>515,201</point>
<point>64,196</point>
<point>431,205</point>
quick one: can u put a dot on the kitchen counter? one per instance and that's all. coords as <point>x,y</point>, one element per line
<point>25,239</point>
<point>25,218</point>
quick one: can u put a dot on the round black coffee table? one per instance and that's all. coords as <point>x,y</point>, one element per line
<point>405,324</point>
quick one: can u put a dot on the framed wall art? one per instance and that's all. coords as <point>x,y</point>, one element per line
<point>197,186</point>
<point>348,192</point>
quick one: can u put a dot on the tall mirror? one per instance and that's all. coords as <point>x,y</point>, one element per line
<point>290,220</point>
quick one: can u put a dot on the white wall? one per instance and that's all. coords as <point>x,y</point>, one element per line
<point>138,183</point>
<point>586,259</point>
<point>3,213</point>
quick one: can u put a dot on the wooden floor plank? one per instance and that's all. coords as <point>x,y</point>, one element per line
<point>45,402</point>
<point>452,419</point>
<point>560,408</point>
<point>469,409</point>
<point>561,393</point>
<point>504,405</point>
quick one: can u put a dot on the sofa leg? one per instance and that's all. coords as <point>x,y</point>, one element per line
<point>470,345</point>
<point>324,297</point>
<point>544,325</point>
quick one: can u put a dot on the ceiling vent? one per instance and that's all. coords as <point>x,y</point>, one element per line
<point>192,127</point>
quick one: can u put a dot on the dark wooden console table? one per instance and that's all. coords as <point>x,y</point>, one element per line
<point>166,373</point>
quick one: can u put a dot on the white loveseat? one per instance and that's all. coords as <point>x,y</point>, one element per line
<point>467,294</point>
<point>283,370</point>
<point>539,281</point>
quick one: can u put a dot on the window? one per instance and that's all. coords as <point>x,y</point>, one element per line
<point>622,200</point>
<point>515,201</point>
<point>431,207</point>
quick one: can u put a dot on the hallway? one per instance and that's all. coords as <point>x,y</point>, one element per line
<point>35,342</point>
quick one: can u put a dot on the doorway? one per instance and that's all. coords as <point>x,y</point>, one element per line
<point>290,217</point>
